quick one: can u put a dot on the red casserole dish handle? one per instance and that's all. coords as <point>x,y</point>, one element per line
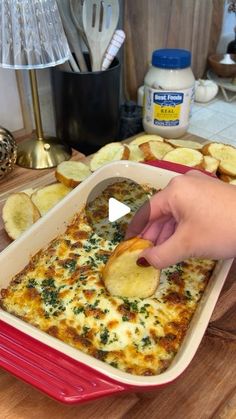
<point>175,167</point>
<point>50,371</point>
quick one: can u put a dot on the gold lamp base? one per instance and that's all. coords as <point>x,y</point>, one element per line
<point>42,153</point>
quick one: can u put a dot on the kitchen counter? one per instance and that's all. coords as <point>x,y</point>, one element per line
<point>207,389</point>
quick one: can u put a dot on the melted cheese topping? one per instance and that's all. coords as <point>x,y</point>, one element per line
<point>61,292</point>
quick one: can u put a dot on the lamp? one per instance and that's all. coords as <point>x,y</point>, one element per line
<point>32,37</point>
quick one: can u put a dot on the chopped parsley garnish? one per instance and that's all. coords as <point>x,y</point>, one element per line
<point>86,329</point>
<point>103,258</point>
<point>50,296</point>
<point>131,305</point>
<point>104,336</point>
<point>144,311</point>
<point>92,262</point>
<point>49,282</point>
<point>78,310</point>
<point>70,264</point>
<point>114,364</point>
<point>32,283</point>
<point>94,305</point>
<point>188,295</point>
<point>146,341</point>
<point>87,248</point>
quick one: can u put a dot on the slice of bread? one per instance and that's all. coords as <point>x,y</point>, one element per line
<point>186,156</point>
<point>110,152</point>
<point>154,150</point>
<point>226,178</point>
<point>145,138</point>
<point>228,167</point>
<point>48,196</point>
<point>210,164</point>
<point>123,277</point>
<point>19,213</point>
<point>184,143</point>
<point>72,173</point>
<point>136,153</point>
<point>29,191</point>
<point>225,153</point>
<point>233,182</point>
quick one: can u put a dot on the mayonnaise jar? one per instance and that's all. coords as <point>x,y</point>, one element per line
<point>168,93</point>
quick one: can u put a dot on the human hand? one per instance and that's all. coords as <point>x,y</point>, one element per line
<point>194,216</point>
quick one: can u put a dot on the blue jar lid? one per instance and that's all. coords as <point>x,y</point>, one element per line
<point>171,58</point>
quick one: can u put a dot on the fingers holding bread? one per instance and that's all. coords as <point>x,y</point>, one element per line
<point>123,277</point>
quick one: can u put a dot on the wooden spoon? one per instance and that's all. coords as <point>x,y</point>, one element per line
<point>99,18</point>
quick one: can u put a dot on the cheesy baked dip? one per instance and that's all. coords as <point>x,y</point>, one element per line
<point>61,292</point>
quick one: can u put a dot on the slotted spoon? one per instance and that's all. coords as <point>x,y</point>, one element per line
<point>100,18</point>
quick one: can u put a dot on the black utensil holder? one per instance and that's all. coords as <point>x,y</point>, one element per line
<point>87,107</point>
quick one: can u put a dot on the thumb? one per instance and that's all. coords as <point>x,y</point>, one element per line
<point>172,251</point>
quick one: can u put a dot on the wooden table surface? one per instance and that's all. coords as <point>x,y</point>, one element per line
<point>207,389</point>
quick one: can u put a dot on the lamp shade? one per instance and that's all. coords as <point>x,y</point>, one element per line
<point>31,34</point>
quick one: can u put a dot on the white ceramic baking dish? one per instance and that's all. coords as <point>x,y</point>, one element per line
<point>16,256</point>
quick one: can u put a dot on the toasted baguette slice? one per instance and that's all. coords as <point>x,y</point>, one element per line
<point>225,153</point>
<point>226,178</point>
<point>29,191</point>
<point>110,152</point>
<point>210,164</point>
<point>48,196</point>
<point>72,173</point>
<point>186,156</point>
<point>155,150</point>
<point>136,153</point>
<point>145,138</point>
<point>233,182</point>
<point>123,277</point>
<point>19,213</point>
<point>184,143</point>
<point>228,167</point>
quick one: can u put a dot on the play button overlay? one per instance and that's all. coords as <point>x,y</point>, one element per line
<point>111,205</point>
<point>117,210</point>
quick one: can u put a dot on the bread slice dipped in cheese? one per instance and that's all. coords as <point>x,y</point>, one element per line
<point>19,213</point>
<point>155,150</point>
<point>110,152</point>
<point>123,277</point>
<point>185,156</point>
<point>72,173</point>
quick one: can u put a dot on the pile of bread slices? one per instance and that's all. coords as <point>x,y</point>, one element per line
<point>24,208</point>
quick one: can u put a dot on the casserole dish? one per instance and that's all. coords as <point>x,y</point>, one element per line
<point>59,370</point>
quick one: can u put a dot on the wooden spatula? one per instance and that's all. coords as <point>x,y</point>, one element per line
<point>100,18</point>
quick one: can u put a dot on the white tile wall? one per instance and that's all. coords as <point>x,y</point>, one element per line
<point>215,120</point>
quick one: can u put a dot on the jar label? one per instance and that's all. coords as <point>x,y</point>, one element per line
<point>167,109</point>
